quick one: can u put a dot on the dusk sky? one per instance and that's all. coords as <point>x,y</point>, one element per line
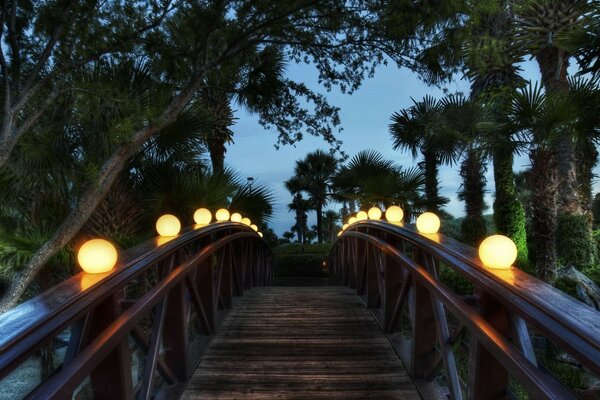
<point>365,116</point>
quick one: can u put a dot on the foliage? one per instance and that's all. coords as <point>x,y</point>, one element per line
<point>416,129</point>
<point>370,180</point>
<point>574,244</point>
<point>513,225</point>
<point>301,260</point>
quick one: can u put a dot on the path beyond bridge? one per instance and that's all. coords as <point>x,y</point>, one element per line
<point>300,342</point>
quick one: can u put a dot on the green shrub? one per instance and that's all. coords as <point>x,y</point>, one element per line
<point>298,260</point>
<point>509,217</point>
<point>575,244</point>
<point>473,230</point>
<point>455,281</point>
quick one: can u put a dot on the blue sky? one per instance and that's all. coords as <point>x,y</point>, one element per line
<point>365,117</point>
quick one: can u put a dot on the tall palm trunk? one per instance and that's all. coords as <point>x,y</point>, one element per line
<point>216,148</point>
<point>319,209</point>
<point>430,166</point>
<point>473,227</point>
<point>509,215</point>
<point>585,165</point>
<point>217,106</point>
<point>544,188</point>
<point>573,230</point>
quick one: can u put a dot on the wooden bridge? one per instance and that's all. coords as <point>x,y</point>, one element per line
<point>198,317</point>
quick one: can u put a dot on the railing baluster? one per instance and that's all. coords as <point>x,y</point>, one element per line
<point>111,379</point>
<point>153,349</point>
<point>423,328</point>
<point>175,333</point>
<point>489,378</point>
<point>205,287</point>
<point>443,333</point>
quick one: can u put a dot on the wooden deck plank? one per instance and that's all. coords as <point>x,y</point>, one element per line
<point>300,343</point>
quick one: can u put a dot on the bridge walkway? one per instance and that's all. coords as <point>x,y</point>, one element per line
<point>300,342</point>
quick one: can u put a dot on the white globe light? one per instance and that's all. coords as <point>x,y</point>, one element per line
<point>374,213</point>
<point>246,221</point>
<point>222,215</point>
<point>361,216</point>
<point>202,216</point>
<point>168,225</point>
<point>352,220</point>
<point>428,222</point>
<point>345,226</point>
<point>254,227</point>
<point>498,252</point>
<point>97,256</point>
<point>394,214</point>
<point>236,217</point>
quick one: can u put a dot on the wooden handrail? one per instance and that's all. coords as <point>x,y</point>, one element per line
<point>505,300</point>
<point>218,261</point>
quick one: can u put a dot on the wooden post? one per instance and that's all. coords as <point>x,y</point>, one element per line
<point>226,285</point>
<point>111,379</point>
<point>392,279</point>
<point>359,260</point>
<point>205,282</point>
<point>423,327</point>
<point>175,333</point>
<point>488,378</point>
<point>372,276</point>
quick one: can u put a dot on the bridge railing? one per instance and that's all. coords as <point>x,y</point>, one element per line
<point>475,345</point>
<point>137,331</point>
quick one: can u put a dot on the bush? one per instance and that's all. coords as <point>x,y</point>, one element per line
<point>509,217</point>
<point>575,244</point>
<point>298,260</point>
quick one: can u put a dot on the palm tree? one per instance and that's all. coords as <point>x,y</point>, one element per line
<point>251,80</point>
<point>491,61</point>
<point>371,180</point>
<point>314,174</point>
<point>541,23</point>
<point>542,118</point>
<point>299,206</point>
<point>415,129</point>
<point>330,219</point>
<point>462,117</point>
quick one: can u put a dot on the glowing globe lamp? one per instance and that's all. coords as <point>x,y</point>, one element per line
<point>345,226</point>
<point>352,220</point>
<point>498,252</point>
<point>236,217</point>
<point>428,222</point>
<point>339,233</point>
<point>246,221</point>
<point>222,215</point>
<point>394,214</point>
<point>97,256</point>
<point>374,213</point>
<point>254,227</point>
<point>260,234</point>
<point>361,216</point>
<point>168,225</point>
<point>202,216</point>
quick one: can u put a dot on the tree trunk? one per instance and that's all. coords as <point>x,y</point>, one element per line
<point>543,183</point>
<point>430,163</point>
<point>509,215</point>
<point>216,148</point>
<point>319,209</point>
<point>575,240</point>
<point>585,164</point>
<point>473,227</point>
